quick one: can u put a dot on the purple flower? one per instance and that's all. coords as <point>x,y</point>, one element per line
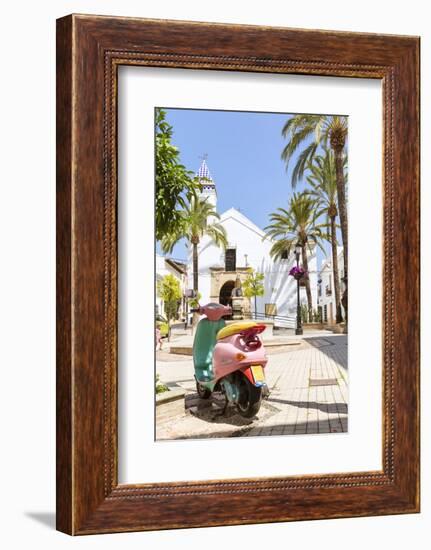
<point>297,272</point>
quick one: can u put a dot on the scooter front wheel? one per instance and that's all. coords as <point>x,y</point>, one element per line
<point>249,398</point>
<point>203,392</point>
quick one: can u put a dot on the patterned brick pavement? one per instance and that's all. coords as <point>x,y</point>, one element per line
<point>293,407</point>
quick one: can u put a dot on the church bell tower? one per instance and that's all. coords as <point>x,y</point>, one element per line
<point>208,191</point>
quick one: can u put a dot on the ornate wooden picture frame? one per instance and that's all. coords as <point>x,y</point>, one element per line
<point>89,51</point>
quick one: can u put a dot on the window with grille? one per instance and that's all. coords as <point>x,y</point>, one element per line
<point>230,259</point>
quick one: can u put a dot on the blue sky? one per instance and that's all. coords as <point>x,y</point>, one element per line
<point>243,155</point>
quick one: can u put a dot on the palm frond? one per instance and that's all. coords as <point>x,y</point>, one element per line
<point>298,130</point>
<point>298,223</point>
<point>295,141</point>
<point>301,164</point>
<point>281,247</point>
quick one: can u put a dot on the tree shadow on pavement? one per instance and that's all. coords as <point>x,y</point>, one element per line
<point>280,430</point>
<point>324,407</point>
<point>328,345</point>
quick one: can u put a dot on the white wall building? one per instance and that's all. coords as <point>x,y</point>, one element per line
<point>219,269</point>
<point>326,292</point>
<point>165,266</point>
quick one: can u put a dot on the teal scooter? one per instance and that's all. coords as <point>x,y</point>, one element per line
<point>229,358</point>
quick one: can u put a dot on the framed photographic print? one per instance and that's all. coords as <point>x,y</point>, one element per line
<point>237,274</point>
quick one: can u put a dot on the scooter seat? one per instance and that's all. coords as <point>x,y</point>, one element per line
<point>235,328</point>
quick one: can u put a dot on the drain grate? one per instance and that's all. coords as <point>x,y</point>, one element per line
<point>323,382</point>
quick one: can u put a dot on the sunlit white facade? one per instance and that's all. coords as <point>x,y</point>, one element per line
<point>220,269</point>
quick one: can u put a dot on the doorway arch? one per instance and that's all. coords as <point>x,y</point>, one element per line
<point>225,297</point>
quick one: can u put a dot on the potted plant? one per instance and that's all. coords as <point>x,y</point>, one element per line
<point>298,273</point>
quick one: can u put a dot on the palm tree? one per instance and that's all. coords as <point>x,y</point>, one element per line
<point>323,188</point>
<point>308,132</point>
<point>298,224</point>
<point>197,219</point>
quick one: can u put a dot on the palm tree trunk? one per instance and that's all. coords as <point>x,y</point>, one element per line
<point>195,317</point>
<point>342,207</point>
<point>338,317</point>
<point>195,268</point>
<point>307,282</point>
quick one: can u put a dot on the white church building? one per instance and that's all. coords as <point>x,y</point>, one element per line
<point>221,270</point>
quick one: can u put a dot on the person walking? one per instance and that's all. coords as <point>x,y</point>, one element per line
<point>158,336</point>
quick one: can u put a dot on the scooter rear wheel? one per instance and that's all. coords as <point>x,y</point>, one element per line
<point>203,392</point>
<point>249,399</point>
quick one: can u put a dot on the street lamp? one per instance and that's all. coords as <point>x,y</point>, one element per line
<point>298,330</point>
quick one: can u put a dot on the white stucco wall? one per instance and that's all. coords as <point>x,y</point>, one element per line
<point>162,269</point>
<point>327,280</point>
<point>248,239</point>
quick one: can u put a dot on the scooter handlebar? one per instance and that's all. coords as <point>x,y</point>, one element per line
<point>213,311</point>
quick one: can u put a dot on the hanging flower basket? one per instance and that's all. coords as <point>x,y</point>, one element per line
<point>298,273</point>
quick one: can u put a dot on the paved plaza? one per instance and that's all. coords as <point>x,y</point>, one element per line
<point>308,382</point>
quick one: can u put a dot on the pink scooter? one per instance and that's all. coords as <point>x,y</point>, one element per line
<point>230,358</point>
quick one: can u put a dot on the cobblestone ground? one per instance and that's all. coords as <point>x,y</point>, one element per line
<point>308,394</point>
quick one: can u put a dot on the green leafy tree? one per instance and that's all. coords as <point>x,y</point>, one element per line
<point>194,302</point>
<point>253,286</point>
<point>299,223</point>
<point>198,218</point>
<point>174,184</point>
<point>308,132</point>
<point>316,316</point>
<point>305,313</point>
<point>169,290</point>
<point>323,187</point>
